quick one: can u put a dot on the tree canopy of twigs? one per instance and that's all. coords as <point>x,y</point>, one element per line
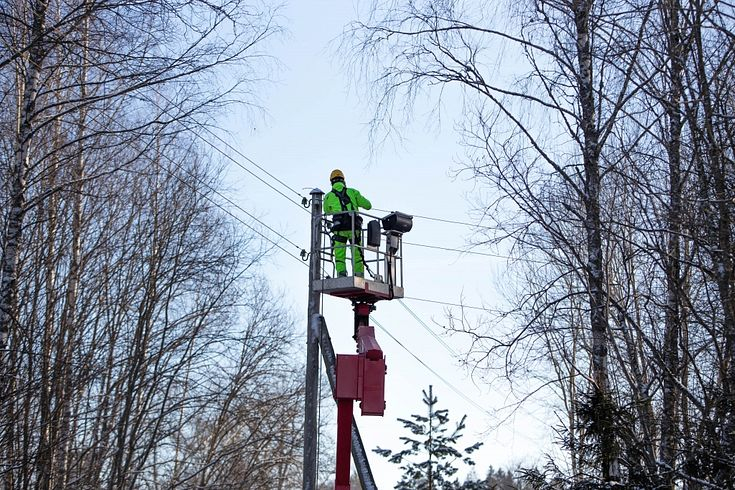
<point>139,345</point>
<point>602,133</point>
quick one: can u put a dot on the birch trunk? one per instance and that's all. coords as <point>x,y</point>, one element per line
<point>670,405</point>
<point>717,226</point>
<point>592,226</point>
<point>30,71</point>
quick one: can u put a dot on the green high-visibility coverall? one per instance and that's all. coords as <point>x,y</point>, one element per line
<point>340,238</point>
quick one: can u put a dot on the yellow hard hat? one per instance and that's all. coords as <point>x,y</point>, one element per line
<point>336,174</point>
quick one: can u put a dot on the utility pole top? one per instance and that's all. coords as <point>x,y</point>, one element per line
<point>316,190</point>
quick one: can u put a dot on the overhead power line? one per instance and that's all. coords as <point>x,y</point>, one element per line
<point>470,252</point>
<point>420,361</point>
<point>442,220</point>
<point>251,161</point>
<point>445,303</point>
<point>219,206</point>
<point>242,155</point>
<point>238,152</point>
<point>428,329</point>
<point>304,199</point>
<point>240,208</point>
<point>215,191</point>
<point>449,249</point>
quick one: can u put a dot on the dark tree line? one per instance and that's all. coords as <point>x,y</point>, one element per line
<point>603,134</point>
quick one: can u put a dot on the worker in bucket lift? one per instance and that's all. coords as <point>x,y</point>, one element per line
<point>337,202</point>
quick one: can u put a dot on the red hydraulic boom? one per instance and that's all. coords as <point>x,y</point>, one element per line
<point>361,377</point>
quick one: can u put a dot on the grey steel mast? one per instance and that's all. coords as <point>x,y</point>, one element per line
<point>311,404</point>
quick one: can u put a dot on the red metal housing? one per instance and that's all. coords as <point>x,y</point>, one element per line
<point>359,377</point>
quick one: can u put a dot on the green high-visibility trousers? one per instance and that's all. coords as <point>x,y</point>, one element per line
<point>339,247</point>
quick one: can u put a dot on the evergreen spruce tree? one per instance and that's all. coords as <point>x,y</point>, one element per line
<point>430,457</point>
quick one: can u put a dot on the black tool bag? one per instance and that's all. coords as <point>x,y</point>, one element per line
<point>343,221</point>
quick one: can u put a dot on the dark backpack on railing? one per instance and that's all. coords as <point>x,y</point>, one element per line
<point>343,221</point>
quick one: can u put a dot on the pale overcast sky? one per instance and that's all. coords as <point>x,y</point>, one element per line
<point>316,123</point>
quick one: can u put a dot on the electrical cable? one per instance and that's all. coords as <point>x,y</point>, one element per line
<point>216,148</point>
<point>460,305</point>
<point>218,205</point>
<point>323,269</point>
<point>238,152</point>
<point>448,249</point>
<point>443,220</point>
<point>428,329</point>
<point>251,216</point>
<point>253,162</point>
<point>250,171</point>
<point>470,252</point>
<point>450,385</point>
<point>300,205</point>
<point>265,237</point>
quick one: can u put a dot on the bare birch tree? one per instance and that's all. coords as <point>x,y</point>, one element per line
<point>576,79</point>
<point>125,335</point>
<point>598,130</point>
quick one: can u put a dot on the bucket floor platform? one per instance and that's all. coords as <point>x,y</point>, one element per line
<point>357,288</point>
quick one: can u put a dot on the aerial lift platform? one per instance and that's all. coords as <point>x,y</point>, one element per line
<point>384,267</point>
<point>358,289</point>
<point>361,377</point>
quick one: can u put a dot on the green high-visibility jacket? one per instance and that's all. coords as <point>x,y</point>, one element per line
<point>357,200</point>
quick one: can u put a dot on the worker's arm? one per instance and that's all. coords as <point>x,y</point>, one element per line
<point>361,200</point>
